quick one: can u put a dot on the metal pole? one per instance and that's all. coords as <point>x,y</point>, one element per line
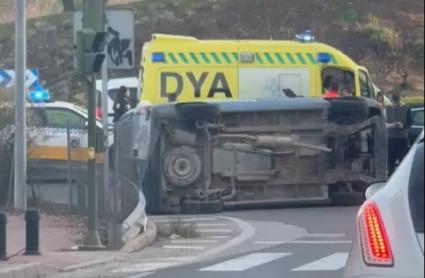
<point>93,18</point>
<point>69,170</point>
<point>105,121</point>
<point>20,200</point>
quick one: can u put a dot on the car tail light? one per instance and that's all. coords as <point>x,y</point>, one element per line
<point>99,113</point>
<point>376,246</point>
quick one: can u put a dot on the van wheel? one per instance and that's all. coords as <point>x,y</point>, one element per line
<point>201,207</point>
<point>198,111</point>
<point>348,111</point>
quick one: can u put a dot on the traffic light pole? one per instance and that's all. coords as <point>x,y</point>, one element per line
<point>93,18</point>
<point>20,194</point>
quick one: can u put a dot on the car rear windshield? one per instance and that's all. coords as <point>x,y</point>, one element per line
<point>416,189</point>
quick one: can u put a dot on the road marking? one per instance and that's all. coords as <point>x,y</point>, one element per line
<point>326,235</point>
<point>246,262</point>
<point>218,237</point>
<point>183,247</point>
<point>270,242</point>
<point>209,225</point>
<point>184,241</point>
<point>302,242</point>
<point>215,231</point>
<point>334,262</point>
<point>141,275</point>
<point>173,220</point>
<point>320,242</point>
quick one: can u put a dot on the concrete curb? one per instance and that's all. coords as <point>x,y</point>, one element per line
<point>27,271</point>
<point>88,264</point>
<point>143,240</point>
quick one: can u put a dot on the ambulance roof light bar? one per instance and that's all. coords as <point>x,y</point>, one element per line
<point>306,37</point>
<point>39,95</point>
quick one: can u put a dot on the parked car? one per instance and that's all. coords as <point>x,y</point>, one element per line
<point>113,87</point>
<point>48,151</point>
<point>390,238</point>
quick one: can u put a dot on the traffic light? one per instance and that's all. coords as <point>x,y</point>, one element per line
<point>90,47</point>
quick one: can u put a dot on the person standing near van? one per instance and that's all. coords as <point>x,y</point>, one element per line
<point>399,122</point>
<point>122,103</point>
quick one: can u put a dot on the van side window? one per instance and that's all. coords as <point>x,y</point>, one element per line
<point>344,78</point>
<point>366,89</point>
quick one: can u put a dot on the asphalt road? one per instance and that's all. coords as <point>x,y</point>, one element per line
<point>320,254</point>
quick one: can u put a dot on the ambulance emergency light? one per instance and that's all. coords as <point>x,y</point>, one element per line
<point>38,95</point>
<point>305,37</point>
<point>158,57</point>
<point>324,58</point>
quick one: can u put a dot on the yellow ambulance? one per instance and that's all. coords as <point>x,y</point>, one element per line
<point>177,68</point>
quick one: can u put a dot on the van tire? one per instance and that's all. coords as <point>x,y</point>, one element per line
<point>348,111</point>
<point>201,207</point>
<point>198,111</point>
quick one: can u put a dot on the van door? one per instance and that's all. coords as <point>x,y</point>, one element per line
<point>273,82</point>
<point>294,83</point>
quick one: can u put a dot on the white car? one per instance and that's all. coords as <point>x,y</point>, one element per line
<point>390,238</point>
<point>48,125</point>
<point>113,87</point>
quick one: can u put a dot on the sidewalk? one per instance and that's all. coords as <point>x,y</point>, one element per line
<point>58,234</point>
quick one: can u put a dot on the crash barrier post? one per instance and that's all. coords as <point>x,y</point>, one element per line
<point>32,246</point>
<point>3,237</point>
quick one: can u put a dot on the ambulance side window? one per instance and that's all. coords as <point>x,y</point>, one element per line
<point>59,118</point>
<point>37,117</point>
<point>344,79</point>
<point>366,88</point>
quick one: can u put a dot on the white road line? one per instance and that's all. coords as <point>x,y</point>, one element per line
<point>325,235</point>
<point>218,237</point>
<point>320,242</point>
<point>302,242</point>
<point>246,262</point>
<point>172,220</point>
<point>270,242</point>
<point>143,268</point>
<point>334,262</point>
<point>183,247</point>
<point>209,225</point>
<point>141,275</point>
<point>184,241</point>
<point>215,231</point>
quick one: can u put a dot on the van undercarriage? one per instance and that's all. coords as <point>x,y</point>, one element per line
<point>244,153</point>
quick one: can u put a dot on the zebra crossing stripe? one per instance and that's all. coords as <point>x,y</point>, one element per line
<point>246,262</point>
<point>334,262</point>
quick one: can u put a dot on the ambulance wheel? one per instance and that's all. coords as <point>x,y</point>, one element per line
<point>348,111</point>
<point>198,111</point>
<point>152,184</point>
<point>201,207</point>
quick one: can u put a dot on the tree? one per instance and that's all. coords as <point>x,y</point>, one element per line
<point>68,5</point>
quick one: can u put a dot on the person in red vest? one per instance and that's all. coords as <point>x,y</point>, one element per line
<point>333,91</point>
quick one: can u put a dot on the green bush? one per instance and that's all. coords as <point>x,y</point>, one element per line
<point>385,38</point>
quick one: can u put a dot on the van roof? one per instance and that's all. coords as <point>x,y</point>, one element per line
<point>168,42</point>
<point>131,82</point>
